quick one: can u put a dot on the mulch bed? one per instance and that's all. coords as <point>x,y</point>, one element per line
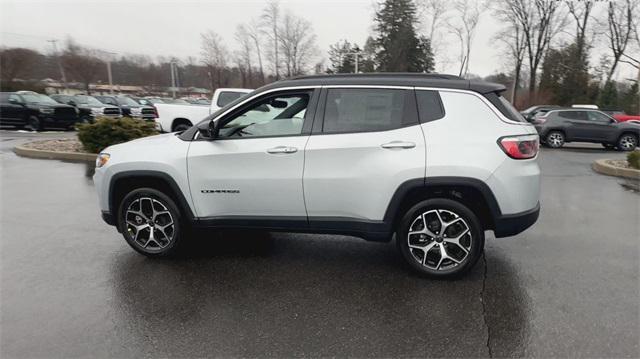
<point>62,145</point>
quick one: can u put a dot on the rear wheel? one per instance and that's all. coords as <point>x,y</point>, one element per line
<point>555,139</point>
<point>150,222</point>
<point>440,238</point>
<point>182,126</point>
<point>627,142</point>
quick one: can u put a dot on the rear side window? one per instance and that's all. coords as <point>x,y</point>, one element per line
<point>429,105</point>
<point>573,115</point>
<point>227,96</point>
<point>505,107</point>
<point>367,110</point>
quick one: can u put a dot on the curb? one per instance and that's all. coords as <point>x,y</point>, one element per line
<point>51,155</point>
<point>604,168</point>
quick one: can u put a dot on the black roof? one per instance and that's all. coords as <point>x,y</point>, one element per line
<point>391,79</point>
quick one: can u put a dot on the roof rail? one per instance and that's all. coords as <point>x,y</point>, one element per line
<point>381,74</point>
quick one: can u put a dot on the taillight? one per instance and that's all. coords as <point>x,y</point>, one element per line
<point>539,120</point>
<point>155,112</point>
<point>520,147</point>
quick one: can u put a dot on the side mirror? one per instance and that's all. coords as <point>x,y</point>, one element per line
<point>72,103</point>
<point>209,130</point>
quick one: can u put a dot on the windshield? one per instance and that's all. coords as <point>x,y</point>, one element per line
<point>88,100</point>
<point>38,98</point>
<point>127,101</point>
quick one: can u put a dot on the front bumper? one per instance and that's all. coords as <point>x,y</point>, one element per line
<point>108,218</point>
<point>512,224</point>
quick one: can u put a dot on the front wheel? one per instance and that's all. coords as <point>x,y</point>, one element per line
<point>150,222</point>
<point>34,124</point>
<point>555,139</point>
<point>627,142</point>
<point>440,238</point>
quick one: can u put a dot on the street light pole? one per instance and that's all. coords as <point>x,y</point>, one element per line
<point>55,52</point>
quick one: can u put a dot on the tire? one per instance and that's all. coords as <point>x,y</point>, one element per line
<point>555,139</point>
<point>85,119</point>
<point>627,142</point>
<point>34,124</point>
<point>182,127</point>
<point>138,209</point>
<point>462,224</point>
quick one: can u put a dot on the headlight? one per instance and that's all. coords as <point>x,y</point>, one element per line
<point>102,159</point>
<point>46,110</point>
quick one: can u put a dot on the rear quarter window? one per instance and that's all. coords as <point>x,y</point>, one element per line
<point>505,107</point>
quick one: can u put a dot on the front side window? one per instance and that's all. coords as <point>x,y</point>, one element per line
<point>364,110</point>
<point>227,97</point>
<point>598,117</point>
<point>277,115</point>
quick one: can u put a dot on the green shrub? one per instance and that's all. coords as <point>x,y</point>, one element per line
<point>634,159</point>
<point>105,132</point>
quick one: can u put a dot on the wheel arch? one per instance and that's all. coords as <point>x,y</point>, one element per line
<point>471,192</point>
<point>124,182</point>
<point>178,121</point>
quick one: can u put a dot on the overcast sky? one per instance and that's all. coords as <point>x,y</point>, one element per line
<point>172,28</point>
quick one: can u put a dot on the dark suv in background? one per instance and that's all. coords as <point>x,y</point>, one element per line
<point>557,127</point>
<point>88,107</point>
<point>35,111</point>
<point>129,107</point>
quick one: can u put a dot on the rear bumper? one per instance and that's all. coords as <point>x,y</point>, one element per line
<point>512,224</point>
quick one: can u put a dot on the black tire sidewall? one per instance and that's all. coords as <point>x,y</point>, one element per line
<point>477,233</point>
<point>173,247</point>
<point>182,127</point>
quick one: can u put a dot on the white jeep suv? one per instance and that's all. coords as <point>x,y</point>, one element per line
<point>434,159</point>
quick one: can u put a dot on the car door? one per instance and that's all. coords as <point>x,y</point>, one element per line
<point>366,142</point>
<point>253,169</point>
<point>13,109</point>
<point>577,124</point>
<point>601,126</point>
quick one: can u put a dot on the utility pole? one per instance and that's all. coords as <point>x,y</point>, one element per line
<point>108,62</point>
<point>55,52</point>
<point>173,77</point>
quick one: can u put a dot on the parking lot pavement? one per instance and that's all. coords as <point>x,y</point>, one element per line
<point>70,286</point>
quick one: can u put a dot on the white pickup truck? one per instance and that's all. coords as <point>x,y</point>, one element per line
<point>178,117</point>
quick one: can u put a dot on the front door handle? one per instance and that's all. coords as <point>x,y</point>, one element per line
<point>398,144</point>
<point>282,149</point>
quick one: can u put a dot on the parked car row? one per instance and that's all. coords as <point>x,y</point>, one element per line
<point>557,126</point>
<point>34,111</point>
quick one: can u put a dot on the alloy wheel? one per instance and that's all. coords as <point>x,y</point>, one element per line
<point>555,139</point>
<point>149,224</point>
<point>627,143</point>
<point>439,239</point>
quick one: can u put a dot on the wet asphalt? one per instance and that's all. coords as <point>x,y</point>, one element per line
<point>71,287</point>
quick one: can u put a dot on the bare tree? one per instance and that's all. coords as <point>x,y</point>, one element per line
<point>83,64</point>
<point>581,12</point>
<point>468,16</point>
<point>270,22</point>
<point>433,12</point>
<point>243,55</point>
<point>253,30</point>
<point>214,57</point>
<point>540,21</point>
<point>620,29</point>
<point>15,62</point>
<point>297,43</point>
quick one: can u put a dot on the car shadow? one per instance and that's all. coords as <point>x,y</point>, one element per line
<point>283,295</point>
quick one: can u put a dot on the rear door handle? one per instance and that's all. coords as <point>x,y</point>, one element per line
<point>282,149</point>
<point>398,144</point>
